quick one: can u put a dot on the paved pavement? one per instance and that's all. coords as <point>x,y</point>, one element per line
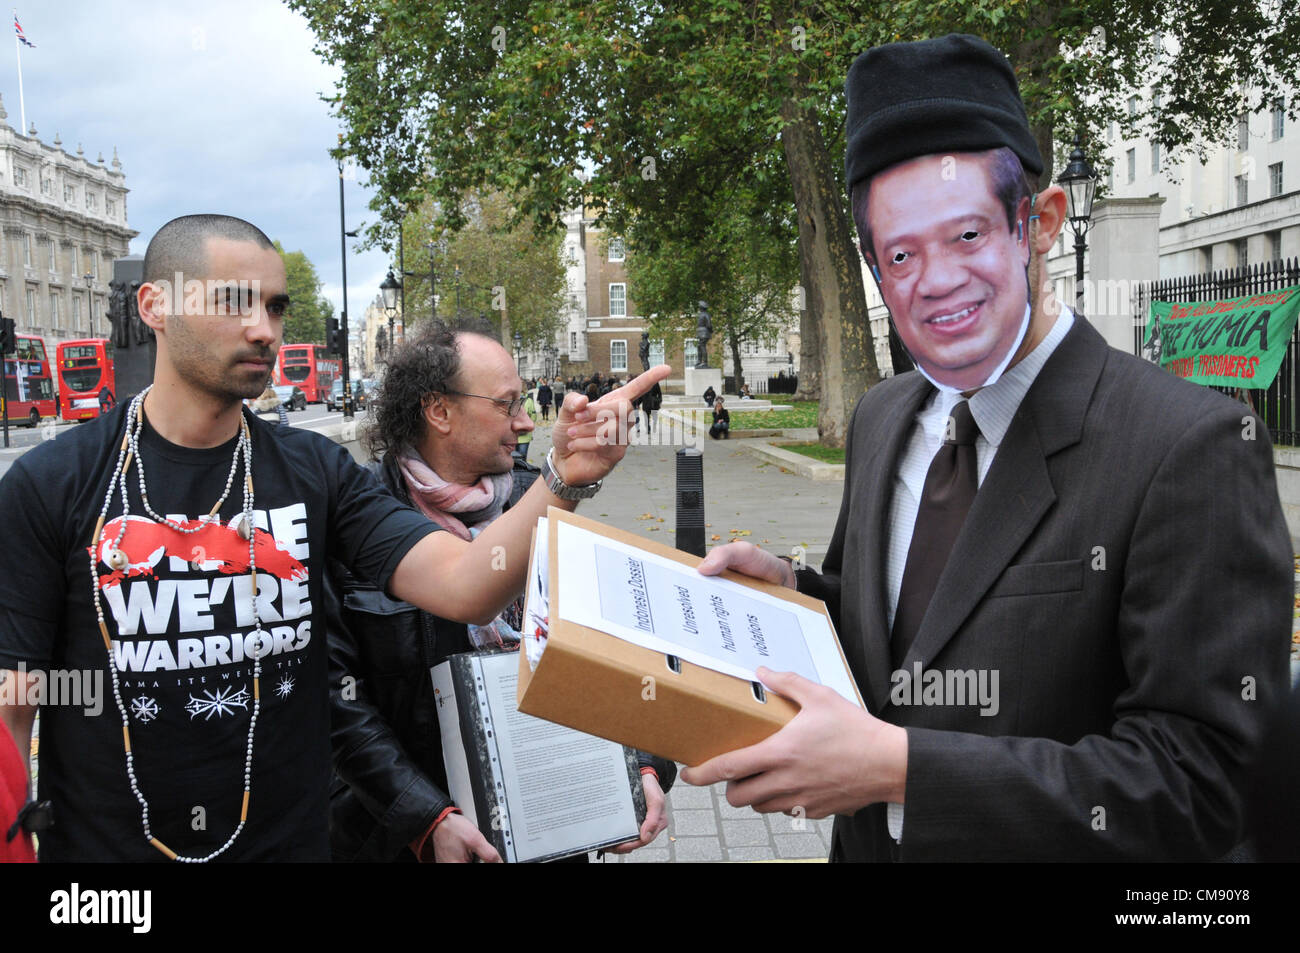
<point>771,507</point>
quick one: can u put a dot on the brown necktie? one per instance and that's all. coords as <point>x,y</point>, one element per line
<point>950,487</point>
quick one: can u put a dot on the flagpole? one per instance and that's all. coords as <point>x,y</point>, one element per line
<point>18,51</point>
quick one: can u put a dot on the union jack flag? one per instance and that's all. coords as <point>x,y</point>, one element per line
<point>18,28</point>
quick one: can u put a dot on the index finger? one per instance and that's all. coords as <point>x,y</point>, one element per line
<point>732,766</point>
<point>638,385</point>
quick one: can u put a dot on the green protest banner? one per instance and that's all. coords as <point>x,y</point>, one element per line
<point>1236,342</point>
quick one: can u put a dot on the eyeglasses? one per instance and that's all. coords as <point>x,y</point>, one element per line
<point>512,405</point>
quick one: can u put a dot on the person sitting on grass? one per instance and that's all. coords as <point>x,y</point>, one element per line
<point>721,421</point>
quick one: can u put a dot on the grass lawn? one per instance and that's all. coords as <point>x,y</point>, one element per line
<point>803,414</point>
<point>817,451</point>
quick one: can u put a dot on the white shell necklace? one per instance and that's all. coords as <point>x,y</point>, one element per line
<point>118,561</point>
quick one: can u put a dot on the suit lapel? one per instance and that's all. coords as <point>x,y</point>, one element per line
<point>875,481</point>
<point>1018,491</point>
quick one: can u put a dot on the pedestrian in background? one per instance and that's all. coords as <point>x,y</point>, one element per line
<point>544,397</point>
<point>721,428</point>
<point>526,437</point>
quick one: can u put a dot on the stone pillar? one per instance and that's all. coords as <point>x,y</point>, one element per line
<point>1123,249</point>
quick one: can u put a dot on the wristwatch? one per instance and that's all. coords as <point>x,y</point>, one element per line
<point>562,489</point>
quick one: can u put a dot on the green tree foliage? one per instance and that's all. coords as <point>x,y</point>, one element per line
<point>304,323</point>
<point>666,105</point>
<point>743,263</point>
<point>494,266</point>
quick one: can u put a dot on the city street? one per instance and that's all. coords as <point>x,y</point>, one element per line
<point>22,439</point>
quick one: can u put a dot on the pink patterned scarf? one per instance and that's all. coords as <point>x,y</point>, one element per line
<point>438,499</point>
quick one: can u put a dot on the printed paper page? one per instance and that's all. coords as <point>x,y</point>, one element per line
<point>453,746</point>
<point>660,604</point>
<point>536,598</point>
<point>564,789</point>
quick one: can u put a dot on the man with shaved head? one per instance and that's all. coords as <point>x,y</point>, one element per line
<point>172,552</point>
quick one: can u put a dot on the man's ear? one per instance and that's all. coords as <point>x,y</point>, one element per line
<point>437,413</point>
<point>1051,210</point>
<point>871,262</point>
<point>154,303</point>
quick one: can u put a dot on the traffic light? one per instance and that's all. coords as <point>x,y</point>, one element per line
<point>333,339</point>
<point>8,335</point>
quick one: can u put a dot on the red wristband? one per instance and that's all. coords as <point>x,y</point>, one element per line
<point>420,844</point>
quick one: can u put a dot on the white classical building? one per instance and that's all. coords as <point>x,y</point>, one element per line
<point>62,222</point>
<point>1241,207</point>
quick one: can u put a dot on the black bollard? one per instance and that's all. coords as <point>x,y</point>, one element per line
<point>690,501</point>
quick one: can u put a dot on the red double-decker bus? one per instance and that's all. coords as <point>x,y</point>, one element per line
<point>309,366</point>
<point>86,382</point>
<point>29,388</point>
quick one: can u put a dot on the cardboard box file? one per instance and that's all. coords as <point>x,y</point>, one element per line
<point>598,683</point>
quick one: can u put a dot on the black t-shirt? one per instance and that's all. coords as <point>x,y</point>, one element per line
<point>181,636</point>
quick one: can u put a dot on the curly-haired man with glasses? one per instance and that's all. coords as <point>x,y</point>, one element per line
<point>444,428</point>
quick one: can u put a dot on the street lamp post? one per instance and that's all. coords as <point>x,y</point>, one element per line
<point>343,324</point>
<point>389,288</point>
<point>519,352</point>
<point>1080,184</point>
<point>89,279</point>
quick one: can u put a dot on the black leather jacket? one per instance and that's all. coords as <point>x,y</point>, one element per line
<point>389,781</point>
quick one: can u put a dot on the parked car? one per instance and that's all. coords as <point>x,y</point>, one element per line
<point>335,401</point>
<point>291,396</point>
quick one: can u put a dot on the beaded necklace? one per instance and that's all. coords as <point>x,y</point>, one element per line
<point>118,561</point>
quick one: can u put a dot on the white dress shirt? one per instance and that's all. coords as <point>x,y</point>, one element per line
<point>993,407</point>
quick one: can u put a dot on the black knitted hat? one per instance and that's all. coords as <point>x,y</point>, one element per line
<point>951,94</point>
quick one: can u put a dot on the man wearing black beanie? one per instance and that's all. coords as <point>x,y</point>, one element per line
<point>1060,575</point>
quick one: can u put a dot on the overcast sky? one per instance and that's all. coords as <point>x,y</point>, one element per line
<point>213,107</point>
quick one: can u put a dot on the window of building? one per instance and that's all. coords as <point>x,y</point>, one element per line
<point>69,193</point>
<point>1275,246</point>
<point>618,300</point>
<point>1275,179</point>
<point>1157,98</point>
<point>31,307</point>
<point>76,314</point>
<point>1131,156</point>
<point>1155,156</point>
<point>1279,120</point>
<point>691,352</point>
<point>1132,106</point>
<point>92,202</point>
<point>1243,258</point>
<point>573,342</point>
<point>54,310</point>
<point>656,352</point>
<point>1243,133</point>
<point>47,186</point>
<point>110,208</point>
<point>617,356</point>
<point>52,252</point>
<point>1241,189</point>
<point>20,176</point>
<point>616,251</point>
<point>92,257</point>
<point>1110,131</point>
<point>27,249</point>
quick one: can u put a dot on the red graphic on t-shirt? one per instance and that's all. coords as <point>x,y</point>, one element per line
<point>146,543</point>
